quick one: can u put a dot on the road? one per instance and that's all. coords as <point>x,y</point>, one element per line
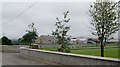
<point>16,59</point>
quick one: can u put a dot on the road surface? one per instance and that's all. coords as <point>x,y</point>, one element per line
<point>16,59</point>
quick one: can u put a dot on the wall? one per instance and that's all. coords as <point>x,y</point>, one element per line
<point>0,48</point>
<point>66,58</point>
<point>49,46</point>
<point>57,46</point>
<point>11,49</point>
<point>73,46</point>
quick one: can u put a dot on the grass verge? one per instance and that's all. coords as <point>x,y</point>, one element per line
<point>110,51</point>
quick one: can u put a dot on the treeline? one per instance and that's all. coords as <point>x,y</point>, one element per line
<point>6,41</point>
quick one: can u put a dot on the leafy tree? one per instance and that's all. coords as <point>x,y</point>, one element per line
<point>104,20</point>
<point>6,41</point>
<point>61,33</point>
<point>30,36</point>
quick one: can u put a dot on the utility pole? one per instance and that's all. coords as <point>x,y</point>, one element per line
<point>3,34</point>
<point>119,21</point>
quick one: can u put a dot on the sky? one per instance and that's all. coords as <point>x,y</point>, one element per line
<point>44,14</point>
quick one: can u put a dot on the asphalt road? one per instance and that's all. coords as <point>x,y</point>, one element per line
<point>16,59</point>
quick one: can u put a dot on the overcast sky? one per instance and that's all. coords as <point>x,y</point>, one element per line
<point>44,14</point>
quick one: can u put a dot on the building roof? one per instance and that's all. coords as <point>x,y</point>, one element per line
<point>48,37</point>
<point>44,38</point>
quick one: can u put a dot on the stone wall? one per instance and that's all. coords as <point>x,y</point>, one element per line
<point>11,49</point>
<point>66,58</point>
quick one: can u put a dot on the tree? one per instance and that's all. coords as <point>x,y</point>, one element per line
<point>104,20</point>
<point>6,41</point>
<point>61,33</point>
<point>30,36</point>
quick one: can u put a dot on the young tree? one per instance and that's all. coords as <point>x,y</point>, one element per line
<point>30,36</point>
<point>61,33</point>
<point>104,20</point>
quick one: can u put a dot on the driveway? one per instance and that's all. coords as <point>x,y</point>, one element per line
<point>16,59</point>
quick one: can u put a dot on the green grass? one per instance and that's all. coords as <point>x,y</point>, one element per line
<point>86,52</point>
<point>113,52</point>
<point>110,51</point>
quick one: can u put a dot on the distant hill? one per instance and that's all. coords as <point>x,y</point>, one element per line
<point>15,42</point>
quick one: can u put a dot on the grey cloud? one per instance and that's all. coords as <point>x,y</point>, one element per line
<point>44,14</point>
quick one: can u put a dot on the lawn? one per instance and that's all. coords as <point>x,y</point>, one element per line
<point>110,51</point>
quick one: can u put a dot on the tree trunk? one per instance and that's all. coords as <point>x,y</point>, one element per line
<point>102,49</point>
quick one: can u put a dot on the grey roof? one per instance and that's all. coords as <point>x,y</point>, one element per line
<point>48,37</point>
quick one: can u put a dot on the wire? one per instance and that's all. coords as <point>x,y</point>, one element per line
<point>23,12</point>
